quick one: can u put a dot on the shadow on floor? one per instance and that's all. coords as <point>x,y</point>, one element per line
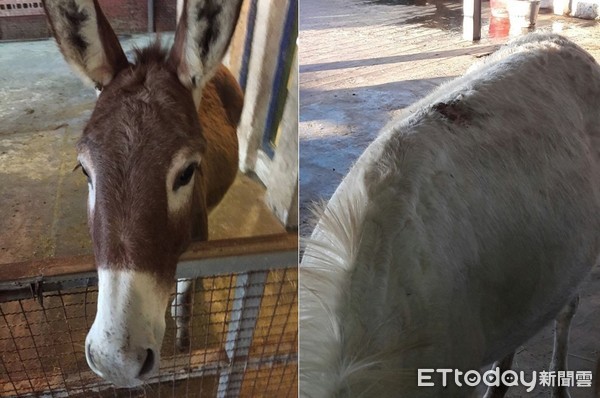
<point>392,59</point>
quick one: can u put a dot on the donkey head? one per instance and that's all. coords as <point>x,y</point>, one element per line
<point>142,154</point>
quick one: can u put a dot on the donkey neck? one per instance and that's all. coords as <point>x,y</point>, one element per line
<point>219,113</point>
<point>368,314</point>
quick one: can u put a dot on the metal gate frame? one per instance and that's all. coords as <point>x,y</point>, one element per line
<point>249,258</point>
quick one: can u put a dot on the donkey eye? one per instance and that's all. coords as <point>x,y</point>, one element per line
<point>185,176</point>
<point>84,171</point>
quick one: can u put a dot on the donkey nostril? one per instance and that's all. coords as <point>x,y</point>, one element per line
<point>148,363</point>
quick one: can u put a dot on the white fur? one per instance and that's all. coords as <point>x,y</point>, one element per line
<point>92,65</point>
<point>91,198</point>
<point>562,326</point>
<point>197,68</point>
<point>128,322</point>
<point>177,200</point>
<point>450,243</point>
<point>95,61</point>
<point>86,163</point>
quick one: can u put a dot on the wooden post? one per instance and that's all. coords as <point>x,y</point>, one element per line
<point>472,19</point>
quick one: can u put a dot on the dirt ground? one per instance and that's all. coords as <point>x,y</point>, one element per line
<point>361,63</point>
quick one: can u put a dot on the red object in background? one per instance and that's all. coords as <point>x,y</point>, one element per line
<point>498,8</point>
<point>499,27</point>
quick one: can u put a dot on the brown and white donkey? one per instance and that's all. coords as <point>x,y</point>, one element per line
<point>159,151</point>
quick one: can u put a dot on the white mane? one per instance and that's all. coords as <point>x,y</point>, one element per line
<point>332,360</point>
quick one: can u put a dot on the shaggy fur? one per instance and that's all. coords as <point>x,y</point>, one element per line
<point>461,231</point>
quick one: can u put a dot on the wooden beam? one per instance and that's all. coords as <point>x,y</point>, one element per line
<point>198,251</point>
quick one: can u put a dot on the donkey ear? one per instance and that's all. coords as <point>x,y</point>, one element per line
<point>86,39</point>
<point>203,35</point>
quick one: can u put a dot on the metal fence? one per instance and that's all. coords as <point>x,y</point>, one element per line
<point>243,328</point>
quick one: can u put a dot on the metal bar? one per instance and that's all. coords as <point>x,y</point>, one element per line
<point>280,340</point>
<point>15,290</point>
<point>237,264</point>
<point>249,289</point>
<point>202,259</point>
<point>209,258</point>
<point>200,371</point>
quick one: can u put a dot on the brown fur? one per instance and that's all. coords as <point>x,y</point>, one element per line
<point>157,163</point>
<point>221,105</point>
<point>142,118</point>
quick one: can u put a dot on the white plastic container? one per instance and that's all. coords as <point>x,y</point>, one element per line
<point>561,7</point>
<point>522,13</point>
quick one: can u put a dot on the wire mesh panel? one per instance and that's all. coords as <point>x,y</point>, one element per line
<point>243,330</point>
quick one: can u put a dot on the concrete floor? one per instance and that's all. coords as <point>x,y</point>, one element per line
<point>361,62</point>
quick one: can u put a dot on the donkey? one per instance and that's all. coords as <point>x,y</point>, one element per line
<point>461,231</point>
<point>159,152</point>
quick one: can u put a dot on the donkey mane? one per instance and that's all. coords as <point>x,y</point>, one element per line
<point>148,62</point>
<point>149,58</point>
<point>147,86</point>
<point>153,53</point>
<point>334,359</point>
